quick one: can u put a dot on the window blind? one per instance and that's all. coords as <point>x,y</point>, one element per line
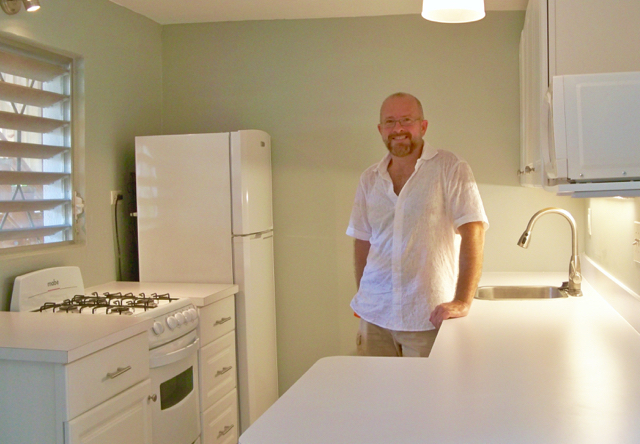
<point>36,185</point>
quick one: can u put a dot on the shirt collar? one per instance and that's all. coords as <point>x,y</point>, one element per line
<point>428,152</point>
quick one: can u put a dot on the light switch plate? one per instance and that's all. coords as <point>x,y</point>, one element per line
<point>636,242</point>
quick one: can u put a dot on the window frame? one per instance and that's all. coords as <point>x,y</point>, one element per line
<point>76,147</point>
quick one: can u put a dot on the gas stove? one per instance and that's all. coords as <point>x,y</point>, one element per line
<point>61,291</point>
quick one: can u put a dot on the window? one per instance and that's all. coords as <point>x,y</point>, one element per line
<point>36,159</point>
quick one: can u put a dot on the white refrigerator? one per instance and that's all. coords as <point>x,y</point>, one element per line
<point>205,215</point>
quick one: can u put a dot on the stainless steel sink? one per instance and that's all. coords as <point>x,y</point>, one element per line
<point>519,292</point>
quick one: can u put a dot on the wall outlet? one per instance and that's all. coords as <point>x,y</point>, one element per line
<point>115,196</point>
<point>636,242</point>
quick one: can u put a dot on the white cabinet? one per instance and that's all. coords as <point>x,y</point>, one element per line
<point>122,419</point>
<point>563,37</point>
<point>219,423</point>
<point>534,82</point>
<point>218,373</point>
<point>100,398</point>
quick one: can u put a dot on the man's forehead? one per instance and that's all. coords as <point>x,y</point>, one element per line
<point>392,102</point>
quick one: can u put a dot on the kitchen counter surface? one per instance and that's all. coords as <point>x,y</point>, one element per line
<point>200,294</point>
<point>60,337</point>
<point>535,371</point>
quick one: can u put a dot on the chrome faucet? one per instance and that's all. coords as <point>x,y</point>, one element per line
<point>572,287</point>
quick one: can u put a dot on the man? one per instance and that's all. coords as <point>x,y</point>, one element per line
<point>407,212</point>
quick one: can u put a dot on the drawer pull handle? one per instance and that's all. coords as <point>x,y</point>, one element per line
<point>118,372</point>
<point>223,371</point>
<point>222,321</point>
<point>226,430</point>
<point>153,397</point>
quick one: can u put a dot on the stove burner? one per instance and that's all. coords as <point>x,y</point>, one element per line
<point>144,303</point>
<point>119,309</point>
<point>160,297</point>
<point>68,307</point>
<point>48,306</point>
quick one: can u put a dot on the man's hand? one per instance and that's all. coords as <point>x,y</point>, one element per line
<point>448,310</point>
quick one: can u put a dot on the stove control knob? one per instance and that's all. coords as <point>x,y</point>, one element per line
<point>172,322</point>
<point>187,315</point>
<point>158,328</point>
<point>194,314</point>
<point>180,318</point>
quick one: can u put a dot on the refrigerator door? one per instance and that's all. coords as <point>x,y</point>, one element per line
<point>255,326</point>
<point>251,182</point>
<point>184,208</point>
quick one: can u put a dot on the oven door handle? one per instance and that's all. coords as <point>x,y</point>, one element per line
<point>174,356</point>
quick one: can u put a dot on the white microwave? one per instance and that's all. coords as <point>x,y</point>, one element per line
<point>594,146</point>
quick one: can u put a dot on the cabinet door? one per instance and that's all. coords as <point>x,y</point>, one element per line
<point>534,83</point>
<point>125,418</point>
<point>594,36</point>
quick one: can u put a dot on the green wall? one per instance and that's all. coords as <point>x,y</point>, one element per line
<point>316,87</point>
<point>122,75</point>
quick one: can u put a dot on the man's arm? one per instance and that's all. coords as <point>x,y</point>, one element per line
<point>471,249</point>
<point>360,253</point>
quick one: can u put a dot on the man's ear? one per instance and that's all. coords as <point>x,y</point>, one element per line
<point>423,126</point>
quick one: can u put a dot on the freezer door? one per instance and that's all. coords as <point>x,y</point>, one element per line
<point>184,208</point>
<point>251,181</point>
<point>255,326</point>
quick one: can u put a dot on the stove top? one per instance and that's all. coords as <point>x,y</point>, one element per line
<point>108,303</point>
<point>61,290</point>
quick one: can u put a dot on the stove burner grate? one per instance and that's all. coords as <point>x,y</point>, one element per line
<point>109,303</point>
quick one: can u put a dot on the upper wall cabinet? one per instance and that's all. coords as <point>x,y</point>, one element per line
<point>534,82</point>
<point>561,38</point>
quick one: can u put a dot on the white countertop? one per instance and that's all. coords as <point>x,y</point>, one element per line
<point>62,337</point>
<point>537,371</point>
<point>200,294</point>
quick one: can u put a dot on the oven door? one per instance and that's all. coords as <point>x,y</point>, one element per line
<point>174,381</point>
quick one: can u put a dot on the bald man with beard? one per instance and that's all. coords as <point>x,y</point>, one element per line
<point>418,223</point>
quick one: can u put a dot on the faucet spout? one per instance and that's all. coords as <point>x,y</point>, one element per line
<point>573,286</point>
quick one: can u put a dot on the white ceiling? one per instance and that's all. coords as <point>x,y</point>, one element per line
<point>167,12</point>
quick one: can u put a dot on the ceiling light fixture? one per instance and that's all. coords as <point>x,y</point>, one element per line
<point>13,6</point>
<point>453,11</point>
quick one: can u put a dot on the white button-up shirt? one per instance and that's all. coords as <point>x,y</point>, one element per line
<point>413,260</point>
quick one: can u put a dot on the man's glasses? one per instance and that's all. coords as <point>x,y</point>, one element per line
<point>404,122</point>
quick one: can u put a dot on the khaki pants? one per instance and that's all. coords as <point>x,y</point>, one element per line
<point>377,341</point>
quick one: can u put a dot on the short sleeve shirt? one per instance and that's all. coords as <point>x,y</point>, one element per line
<point>412,263</point>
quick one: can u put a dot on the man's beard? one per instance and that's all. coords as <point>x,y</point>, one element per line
<point>403,147</point>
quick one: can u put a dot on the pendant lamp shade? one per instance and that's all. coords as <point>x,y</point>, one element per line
<point>453,11</point>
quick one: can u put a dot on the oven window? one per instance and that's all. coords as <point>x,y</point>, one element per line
<point>176,389</point>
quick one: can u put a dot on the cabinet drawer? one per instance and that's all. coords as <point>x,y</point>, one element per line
<point>217,369</point>
<point>102,375</point>
<point>220,422</point>
<point>123,419</point>
<point>217,319</point>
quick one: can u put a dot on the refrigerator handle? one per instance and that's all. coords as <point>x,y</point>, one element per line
<point>257,235</point>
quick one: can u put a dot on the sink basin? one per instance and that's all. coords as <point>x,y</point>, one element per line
<point>519,292</point>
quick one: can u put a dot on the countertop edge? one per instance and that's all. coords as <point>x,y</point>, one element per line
<point>68,354</point>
